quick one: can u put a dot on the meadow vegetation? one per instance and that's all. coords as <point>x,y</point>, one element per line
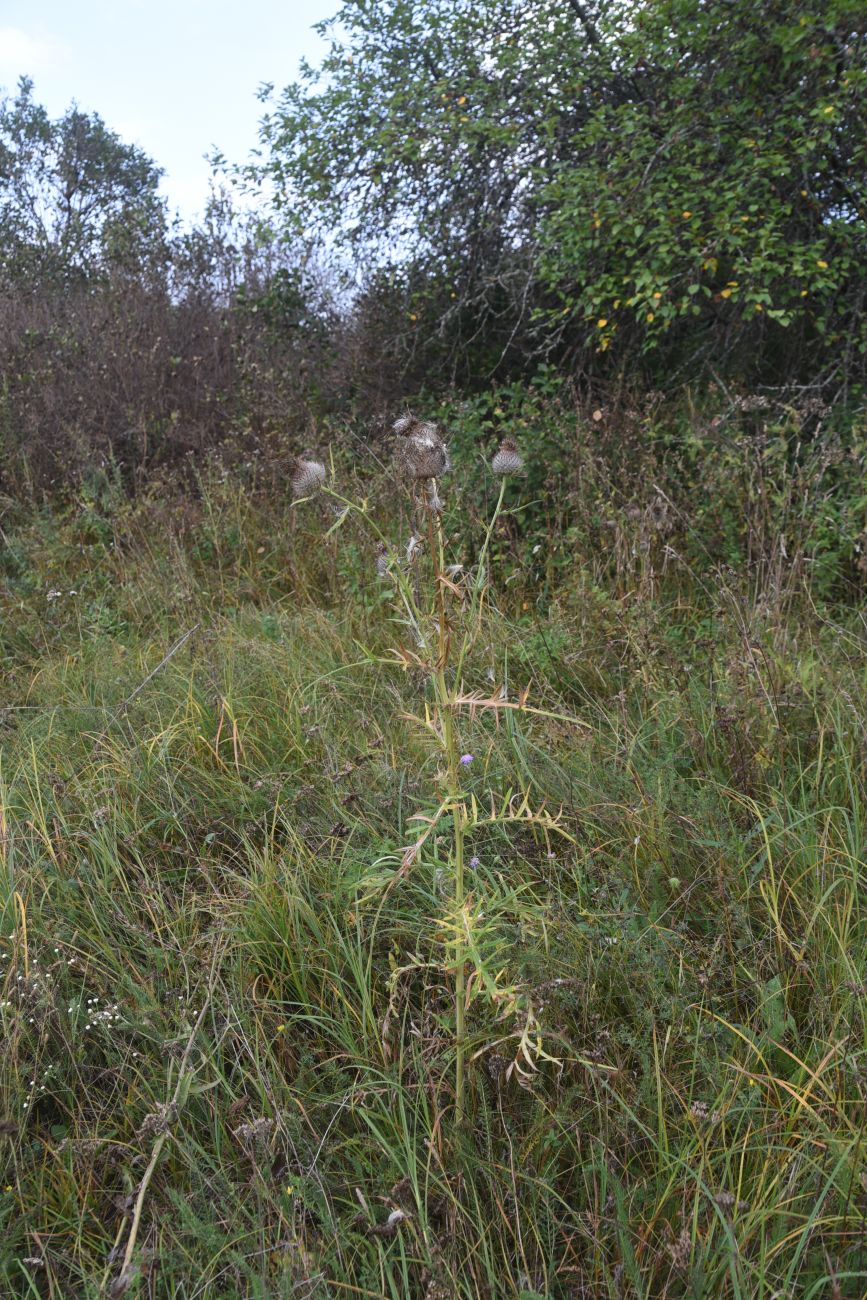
<point>430,883</point>
<point>228,993</point>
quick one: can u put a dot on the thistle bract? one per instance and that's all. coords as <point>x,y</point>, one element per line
<point>508,460</point>
<point>307,477</point>
<point>420,452</point>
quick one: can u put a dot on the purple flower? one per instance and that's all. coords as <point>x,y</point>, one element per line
<point>474,861</point>
<point>466,759</point>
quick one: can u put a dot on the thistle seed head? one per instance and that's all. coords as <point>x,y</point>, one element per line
<point>404,424</point>
<point>307,477</point>
<point>508,460</point>
<point>420,451</point>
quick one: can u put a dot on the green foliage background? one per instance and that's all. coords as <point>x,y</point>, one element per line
<point>676,177</point>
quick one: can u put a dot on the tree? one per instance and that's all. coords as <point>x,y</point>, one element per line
<point>723,201</point>
<point>75,200</point>
<point>681,179</point>
<point>419,143</point>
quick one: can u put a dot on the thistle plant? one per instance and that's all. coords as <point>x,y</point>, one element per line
<point>442,607</point>
<point>307,477</point>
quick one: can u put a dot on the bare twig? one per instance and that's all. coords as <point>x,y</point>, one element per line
<point>170,654</point>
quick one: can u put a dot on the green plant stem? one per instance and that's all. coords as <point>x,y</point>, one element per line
<point>183,1072</point>
<point>406,589</point>
<point>450,742</point>
<point>479,584</point>
<point>459,827</point>
<point>483,553</point>
<point>446,699</point>
<point>460,986</point>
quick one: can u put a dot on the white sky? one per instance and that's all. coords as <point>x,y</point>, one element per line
<point>177,77</point>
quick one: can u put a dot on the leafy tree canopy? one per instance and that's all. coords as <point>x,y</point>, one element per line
<point>75,200</point>
<point>684,179</point>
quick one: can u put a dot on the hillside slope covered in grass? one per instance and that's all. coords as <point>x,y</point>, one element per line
<point>228,997</point>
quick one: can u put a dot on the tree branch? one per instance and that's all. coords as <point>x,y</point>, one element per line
<point>586,22</point>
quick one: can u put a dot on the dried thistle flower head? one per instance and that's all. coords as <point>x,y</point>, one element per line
<point>508,460</point>
<point>420,452</point>
<point>307,477</point>
<point>404,424</point>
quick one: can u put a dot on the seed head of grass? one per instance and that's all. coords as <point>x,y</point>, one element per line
<point>255,1136</point>
<point>158,1122</point>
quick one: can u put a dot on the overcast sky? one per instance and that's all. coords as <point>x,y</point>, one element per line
<point>174,76</point>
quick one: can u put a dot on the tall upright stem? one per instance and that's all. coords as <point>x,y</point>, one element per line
<point>460,974</point>
<point>458,829</point>
<point>479,583</point>
<point>445,704</point>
